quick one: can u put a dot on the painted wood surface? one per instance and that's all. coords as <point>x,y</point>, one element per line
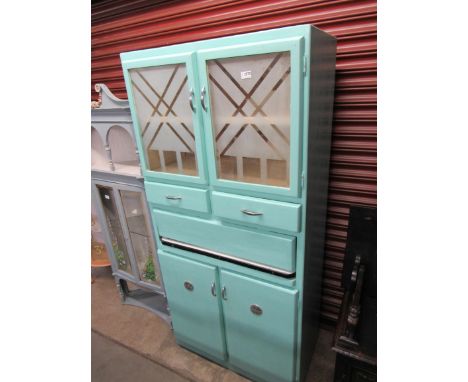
<point>272,250</point>
<point>256,211</point>
<point>275,239</point>
<point>196,317</point>
<point>260,321</point>
<point>178,198</point>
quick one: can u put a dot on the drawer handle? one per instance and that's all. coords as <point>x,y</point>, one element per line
<point>255,309</point>
<point>251,213</point>
<point>213,289</point>
<point>172,197</point>
<point>223,293</point>
<point>188,285</point>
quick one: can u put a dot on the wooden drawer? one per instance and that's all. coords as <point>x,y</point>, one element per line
<point>263,212</point>
<point>271,252</point>
<point>177,197</point>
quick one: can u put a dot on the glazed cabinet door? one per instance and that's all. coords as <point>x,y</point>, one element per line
<point>140,236</point>
<point>251,99</point>
<point>165,116</point>
<point>118,242</point>
<point>260,325</point>
<point>194,305</point>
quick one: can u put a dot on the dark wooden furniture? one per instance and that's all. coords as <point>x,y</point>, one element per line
<point>356,334</point>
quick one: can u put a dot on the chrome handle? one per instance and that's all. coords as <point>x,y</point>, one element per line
<point>202,98</point>
<point>223,293</point>
<point>171,197</point>
<point>251,213</point>
<point>213,289</point>
<point>188,285</point>
<point>255,309</point>
<point>191,100</point>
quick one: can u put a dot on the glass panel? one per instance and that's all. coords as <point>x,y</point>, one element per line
<point>99,256</point>
<point>140,236</point>
<point>115,229</point>
<point>250,109</point>
<point>123,151</point>
<point>98,153</point>
<point>162,103</point>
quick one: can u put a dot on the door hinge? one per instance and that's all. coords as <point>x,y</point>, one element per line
<point>305,65</point>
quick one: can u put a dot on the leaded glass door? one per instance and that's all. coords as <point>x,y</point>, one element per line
<point>117,238</point>
<point>252,105</point>
<point>165,112</point>
<point>141,240</point>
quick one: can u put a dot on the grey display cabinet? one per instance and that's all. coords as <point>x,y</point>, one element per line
<point>119,200</point>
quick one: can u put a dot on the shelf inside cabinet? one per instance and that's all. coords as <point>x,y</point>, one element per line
<point>136,296</point>
<point>254,170</point>
<point>128,167</point>
<point>174,162</point>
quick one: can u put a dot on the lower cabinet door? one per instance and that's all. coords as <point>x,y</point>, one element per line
<point>193,304</point>
<point>260,324</point>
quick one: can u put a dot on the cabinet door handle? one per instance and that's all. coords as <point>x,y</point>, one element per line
<point>223,293</point>
<point>213,289</point>
<point>191,100</point>
<point>188,285</point>
<point>255,309</point>
<point>202,98</point>
<point>172,197</point>
<point>251,213</point>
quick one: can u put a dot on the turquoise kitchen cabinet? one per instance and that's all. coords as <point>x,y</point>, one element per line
<point>260,324</point>
<point>267,251</point>
<point>259,318</point>
<point>234,139</point>
<point>253,100</point>
<point>196,317</point>
<point>168,128</point>
<point>256,211</point>
<point>177,197</point>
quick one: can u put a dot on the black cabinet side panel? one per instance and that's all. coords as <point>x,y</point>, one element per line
<point>322,84</point>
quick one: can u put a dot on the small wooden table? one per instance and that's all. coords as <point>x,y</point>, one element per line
<point>99,257</point>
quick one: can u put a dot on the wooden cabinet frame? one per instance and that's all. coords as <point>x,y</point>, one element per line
<point>107,114</point>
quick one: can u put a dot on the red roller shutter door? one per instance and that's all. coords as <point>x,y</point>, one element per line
<point>119,26</point>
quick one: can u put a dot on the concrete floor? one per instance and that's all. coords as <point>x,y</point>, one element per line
<point>133,344</point>
<point>111,362</point>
